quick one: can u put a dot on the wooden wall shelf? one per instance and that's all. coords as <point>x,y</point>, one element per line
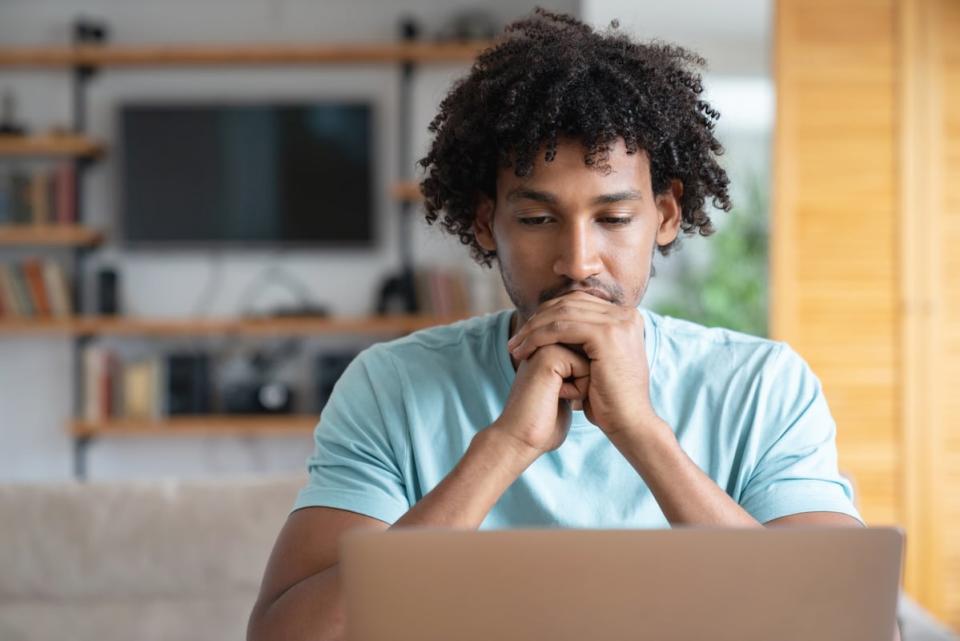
<point>59,145</point>
<point>238,54</point>
<point>301,326</point>
<point>200,425</point>
<point>49,236</point>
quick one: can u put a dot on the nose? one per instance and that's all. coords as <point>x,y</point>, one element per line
<point>578,257</point>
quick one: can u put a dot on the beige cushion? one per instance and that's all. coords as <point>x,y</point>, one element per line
<point>136,560</point>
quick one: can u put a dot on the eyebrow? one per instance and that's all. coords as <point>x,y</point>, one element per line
<point>523,193</point>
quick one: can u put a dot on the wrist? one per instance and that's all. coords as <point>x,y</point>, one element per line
<point>507,446</point>
<point>649,430</point>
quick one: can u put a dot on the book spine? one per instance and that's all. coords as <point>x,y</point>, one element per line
<point>20,198</point>
<point>108,368</point>
<point>6,200</point>
<point>33,273</point>
<point>64,289</point>
<point>10,303</point>
<point>91,382</point>
<point>56,289</point>
<point>422,289</point>
<point>66,189</point>
<point>50,194</point>
<point>21,290</point>
<point>39,210</point>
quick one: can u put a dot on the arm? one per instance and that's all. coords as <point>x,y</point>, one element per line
<point>300,597</point>
<point>687,495</point>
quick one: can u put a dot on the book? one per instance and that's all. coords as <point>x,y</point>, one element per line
<point>58,290</point>
<point>11,304</point>
<point>39,198</point>
<point>65,190</point>
<point>442,292</point>
<point>20,290</point>
<point>141,386</point>
<point>89,367</point>
<point>6,206</point>
<point>19,198</point>
<point>36,287</point>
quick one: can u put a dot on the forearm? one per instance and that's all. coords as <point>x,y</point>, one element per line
<point>313,608</point>
<point>463,499</point>
<point>685,494</point>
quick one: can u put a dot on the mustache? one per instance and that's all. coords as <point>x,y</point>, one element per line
<point>611,293</point>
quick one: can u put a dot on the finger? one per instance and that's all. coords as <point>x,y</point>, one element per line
<point>577,296</point>
<point>560,332</point>
<point>580,302</point>
<point>545,320</point>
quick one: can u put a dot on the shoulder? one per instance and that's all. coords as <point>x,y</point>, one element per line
<point>724,355</point>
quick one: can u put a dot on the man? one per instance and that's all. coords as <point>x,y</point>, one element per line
<point>567,157</point>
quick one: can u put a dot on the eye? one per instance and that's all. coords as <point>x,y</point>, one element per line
<point>534,220</point>
<point>617,221</point>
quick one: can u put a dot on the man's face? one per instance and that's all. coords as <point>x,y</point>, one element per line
<point>568,226</point>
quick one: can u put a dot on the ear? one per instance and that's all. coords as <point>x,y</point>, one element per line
<point>483,223</point>
<point>668,206</point>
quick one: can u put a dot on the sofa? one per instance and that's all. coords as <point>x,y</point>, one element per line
<point>136,561</point>
<point>160,560</point>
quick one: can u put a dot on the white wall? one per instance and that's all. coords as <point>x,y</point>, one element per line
<point>35,373</point>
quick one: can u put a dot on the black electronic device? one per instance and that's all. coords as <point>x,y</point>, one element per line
<point>258,397</point>
<point>247,174</point>
<point>188,384</point>
<point>108,292</point>
<point>8,116</point>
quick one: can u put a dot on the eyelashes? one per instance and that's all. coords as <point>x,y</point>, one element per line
<point>537,221</point>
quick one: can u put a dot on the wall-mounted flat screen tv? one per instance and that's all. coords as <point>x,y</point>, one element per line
<point>246,174</point>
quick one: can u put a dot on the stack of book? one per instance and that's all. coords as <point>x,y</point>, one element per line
<point>34,288</point>
<point>443,292</point>
<point>41,197</point>
<point>131,390</point>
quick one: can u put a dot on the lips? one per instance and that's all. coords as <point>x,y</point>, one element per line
<point>593,292</point>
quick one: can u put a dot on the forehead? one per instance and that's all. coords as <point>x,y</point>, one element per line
<point>568,171</point>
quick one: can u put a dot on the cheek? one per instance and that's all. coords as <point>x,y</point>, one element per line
<point>519,255</point>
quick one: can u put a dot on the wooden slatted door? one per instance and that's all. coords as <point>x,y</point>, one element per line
<point>865,268</point>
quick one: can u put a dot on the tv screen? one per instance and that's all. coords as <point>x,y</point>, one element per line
<point>247,174</point>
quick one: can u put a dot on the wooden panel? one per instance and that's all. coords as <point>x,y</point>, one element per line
<point>945,519</point>
<point>834,278</point>
<point>239,54</point>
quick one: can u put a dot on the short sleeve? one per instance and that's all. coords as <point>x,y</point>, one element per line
<point>797,469</point>
<point>354,463</point>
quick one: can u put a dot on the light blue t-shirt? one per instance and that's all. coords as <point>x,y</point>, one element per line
<point>748,411</point>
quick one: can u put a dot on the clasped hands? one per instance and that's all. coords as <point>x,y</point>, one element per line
<point>607,376</point>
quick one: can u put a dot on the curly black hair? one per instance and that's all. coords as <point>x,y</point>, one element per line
<point>552,76</point>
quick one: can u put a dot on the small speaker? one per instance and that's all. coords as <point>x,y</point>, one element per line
<point>188,384</point>
<point>108,295</point>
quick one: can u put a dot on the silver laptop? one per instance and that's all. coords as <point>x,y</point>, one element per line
<point>779,584</point>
